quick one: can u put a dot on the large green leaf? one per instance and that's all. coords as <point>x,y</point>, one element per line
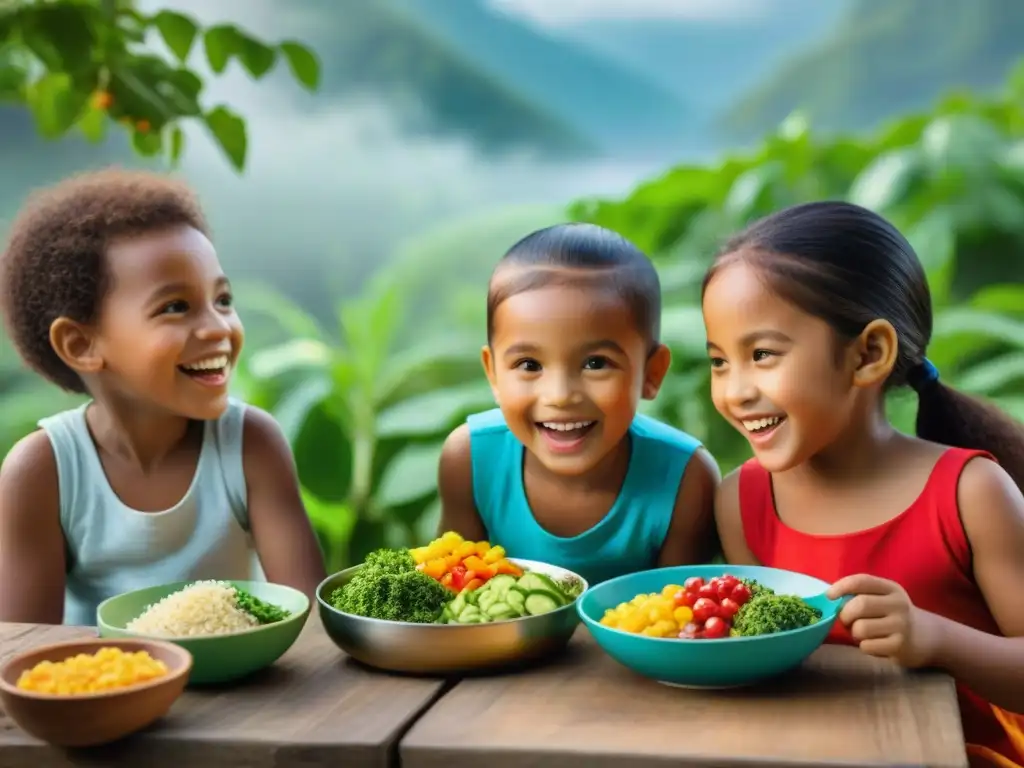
<point>55,103</point>
<point>303,63</point>
<point>178,32</point>
<point>323,454</point>
<point>229,131</point>
<point>993,376</point>
<point>410,475</point>
<point>289,357</point>
<point>434,412</point>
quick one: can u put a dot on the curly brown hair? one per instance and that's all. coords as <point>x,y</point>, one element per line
<point>54,262</point>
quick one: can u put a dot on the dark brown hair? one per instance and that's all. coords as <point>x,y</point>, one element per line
<point>580,255</point>
<point>54,262</point>
<point>849,266</point>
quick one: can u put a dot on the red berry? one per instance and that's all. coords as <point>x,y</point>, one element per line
<point>728,608</point>
<point>740,593</point>
<point>704,609</point>
<point>693,583</point>
<point>715,628</point>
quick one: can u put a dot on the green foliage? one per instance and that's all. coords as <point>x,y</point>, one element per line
<point>952,180</point>
<point>366,419</point>
<point>83,63</point>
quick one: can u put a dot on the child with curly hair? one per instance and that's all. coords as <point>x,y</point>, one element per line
<point>110,287</point>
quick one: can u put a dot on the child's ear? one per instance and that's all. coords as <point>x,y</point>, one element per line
<point>654,372</point>
<point>75,346</point>
<point>874,351</point>
<point>487,358</point>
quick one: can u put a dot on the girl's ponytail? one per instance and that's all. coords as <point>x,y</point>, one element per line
<point>953,418</point>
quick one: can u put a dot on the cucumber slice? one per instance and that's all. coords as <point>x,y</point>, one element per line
<point>472,596</point>
<point>487,599</point>
<point>501,583</point>
<point>457,606</point>
<point>530,581</point>
<point>516,598</point>
<point>498,608</point>
<point>546,582</point>
<point>540,601</point>
<point>507,616</point>
<point>472,615</point>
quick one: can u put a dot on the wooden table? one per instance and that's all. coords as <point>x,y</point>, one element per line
<point>842,708</point>
<point>312,708</point>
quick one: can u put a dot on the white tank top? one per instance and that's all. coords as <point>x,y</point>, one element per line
<point>113,548</point>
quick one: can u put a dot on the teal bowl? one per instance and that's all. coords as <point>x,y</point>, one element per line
<point>723,663</point>
<point>216,658</point>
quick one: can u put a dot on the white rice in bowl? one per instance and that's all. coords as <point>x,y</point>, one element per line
<point>201,608</point>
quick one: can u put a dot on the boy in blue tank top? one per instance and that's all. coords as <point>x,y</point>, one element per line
<point>565,471</point>
<point>111,288</point>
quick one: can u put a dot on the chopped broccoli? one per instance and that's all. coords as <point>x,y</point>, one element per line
<point>757,588</point>
<point>766,613</point>
<point>571,586</point>
<point>262,611</point>
<point>389,587</point>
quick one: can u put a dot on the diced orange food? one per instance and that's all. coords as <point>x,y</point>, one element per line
<point>85,673</point>
<point>458,563</point>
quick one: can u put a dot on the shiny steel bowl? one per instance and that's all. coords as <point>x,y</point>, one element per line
<point>448,649</point>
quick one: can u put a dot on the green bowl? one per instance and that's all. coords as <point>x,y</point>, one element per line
<point>216,658</point>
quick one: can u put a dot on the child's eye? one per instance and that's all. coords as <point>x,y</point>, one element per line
<point>762,354</point>
<point>528,365</point>
<point>596,363</point>
<point>225,300</point>
<point>174,308</point>
<point>717,362</point>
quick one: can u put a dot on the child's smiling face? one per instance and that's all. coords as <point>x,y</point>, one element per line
<point>568,367</point>
<point>775,372</point>
<point>167,331</point>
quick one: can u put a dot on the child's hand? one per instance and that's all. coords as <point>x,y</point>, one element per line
<point>881,616</point>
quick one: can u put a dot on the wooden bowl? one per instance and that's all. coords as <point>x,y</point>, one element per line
<point>96,718</point>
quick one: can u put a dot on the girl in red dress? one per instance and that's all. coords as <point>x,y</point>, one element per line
<point>812,315</point>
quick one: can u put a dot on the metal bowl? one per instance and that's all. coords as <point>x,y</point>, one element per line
<point>448,649</point>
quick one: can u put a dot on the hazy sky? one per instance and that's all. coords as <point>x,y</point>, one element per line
<point>566,12</point>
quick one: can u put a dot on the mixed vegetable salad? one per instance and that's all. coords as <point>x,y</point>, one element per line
<point>725,606</point>
<point>450,581</point>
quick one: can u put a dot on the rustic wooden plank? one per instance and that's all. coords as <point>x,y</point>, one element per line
<point>313,707</point>
<point>841,708</point>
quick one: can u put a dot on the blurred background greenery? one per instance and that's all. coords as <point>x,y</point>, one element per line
<point>362,190</point>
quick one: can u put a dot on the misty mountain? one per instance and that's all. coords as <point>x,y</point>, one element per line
<point>619,107</point>
<point>710,63</point>
<point>883,59</point>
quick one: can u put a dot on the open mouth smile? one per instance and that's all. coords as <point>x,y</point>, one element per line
<point>565,436</point>
<point>761,429</point>
<point>211,371</point>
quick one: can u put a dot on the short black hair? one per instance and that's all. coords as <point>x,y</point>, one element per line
<point>54,264</point>
<point>580,255</point>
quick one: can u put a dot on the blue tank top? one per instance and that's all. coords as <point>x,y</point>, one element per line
<point>630,536</point>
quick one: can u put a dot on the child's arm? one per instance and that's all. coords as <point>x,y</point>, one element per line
<point>730,523</point>
<point>455,485</point>
<point>992,511</point>
<point>32,563</point>
<point>691,534</point>
<point>882,617</point>
<point>284,538</point>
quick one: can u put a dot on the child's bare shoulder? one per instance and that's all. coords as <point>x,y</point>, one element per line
<point>30,461</point>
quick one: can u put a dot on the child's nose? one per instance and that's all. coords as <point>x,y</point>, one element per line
<point>561,390</point>
<point>214,325</point>
<point>740,389</point>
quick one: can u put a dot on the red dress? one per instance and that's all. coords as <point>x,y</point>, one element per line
<point>924,549</point>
